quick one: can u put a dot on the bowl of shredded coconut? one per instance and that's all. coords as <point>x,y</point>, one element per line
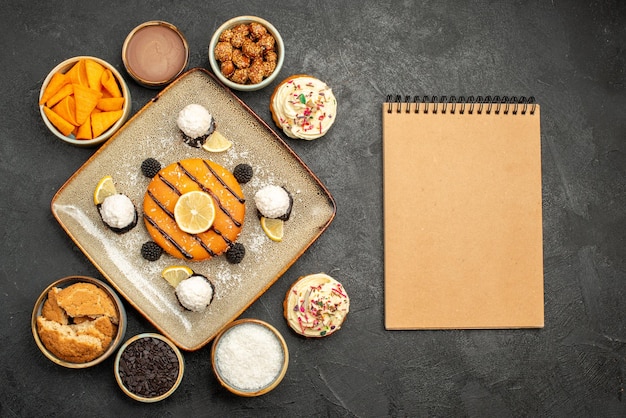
<point>250,357</point>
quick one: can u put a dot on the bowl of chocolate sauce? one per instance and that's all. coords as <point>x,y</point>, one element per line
<point>155,53</point>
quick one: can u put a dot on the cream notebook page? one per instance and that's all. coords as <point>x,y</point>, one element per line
<point>462,216</point>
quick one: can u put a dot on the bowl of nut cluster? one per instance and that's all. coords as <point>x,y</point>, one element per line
<point>78,322</point>
<point>246,53</point>
<point>84,100</point>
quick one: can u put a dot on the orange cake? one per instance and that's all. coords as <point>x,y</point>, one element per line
<point>186,176</point>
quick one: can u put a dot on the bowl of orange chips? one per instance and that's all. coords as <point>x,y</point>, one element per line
<point>84,100</point>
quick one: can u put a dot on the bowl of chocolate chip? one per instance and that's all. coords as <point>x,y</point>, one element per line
<point>149,367</point>
<point>246,53</point>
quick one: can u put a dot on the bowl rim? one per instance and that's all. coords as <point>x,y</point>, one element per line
<point>231,23</point>
<point>279,377</point>
<point>179,356</point>
<point>137,78</point>
<point>64,66</point>
<point>65,282</point>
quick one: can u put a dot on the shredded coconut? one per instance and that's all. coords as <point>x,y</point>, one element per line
<point>272,201</point>
<point>194,120</point>
<point>249,357</point>
<point>195,293</point>
<point>117,211</point>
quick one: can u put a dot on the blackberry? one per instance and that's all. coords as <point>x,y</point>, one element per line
<point>151,251</point>
<point>150,167</point>
<point>235,253</point>
<point>243,173</point>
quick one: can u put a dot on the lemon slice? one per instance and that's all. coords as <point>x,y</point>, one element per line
<point>104,189</point>
<point>217,143</point>
<point>176,274</point>
<point>194,212</point>
<point>273,228</point>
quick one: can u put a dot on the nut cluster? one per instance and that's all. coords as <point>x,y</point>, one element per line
<point>246,53</point>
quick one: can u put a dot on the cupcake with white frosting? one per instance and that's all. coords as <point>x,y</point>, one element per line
<point>303,107</point>
<point>316,305</point>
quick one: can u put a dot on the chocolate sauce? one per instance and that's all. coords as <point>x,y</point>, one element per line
<point>168,237</point>
<point>240,199</point>
<point>155,53</point>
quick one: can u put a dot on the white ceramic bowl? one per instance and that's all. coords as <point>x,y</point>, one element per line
<point>68,281</point>
<point>279,46</point>
<point>63,67</point>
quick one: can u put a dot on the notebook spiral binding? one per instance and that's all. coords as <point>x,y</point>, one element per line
<point>470,104</point>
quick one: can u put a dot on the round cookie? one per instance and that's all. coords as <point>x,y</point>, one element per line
<point>184,176</point>
<point>303,107</point>
<point>316,305</point>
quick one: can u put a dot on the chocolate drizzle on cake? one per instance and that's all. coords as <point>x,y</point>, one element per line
<point>239,198</point>
<point>206,247</point>
<point>209,191</point>
<point>168,237</point>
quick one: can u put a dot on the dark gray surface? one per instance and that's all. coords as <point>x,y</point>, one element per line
<point>569,55</point>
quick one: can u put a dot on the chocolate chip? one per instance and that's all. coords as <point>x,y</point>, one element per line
<point>148,367</point>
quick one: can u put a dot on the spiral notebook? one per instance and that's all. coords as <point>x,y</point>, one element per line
<point>462,213</point>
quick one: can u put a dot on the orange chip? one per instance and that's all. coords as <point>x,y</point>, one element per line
<point>78,73</point>
<point>110,103</point>
<point>102,121</point>
<point>65,91</point>
<point>84,130</point>
<point>57,81</point>
<point>86,101</point>
<point>94,72</point>
<point>110,83</point>
<point>66,108</point>
<point>61,124</point>
<point>71,73</point>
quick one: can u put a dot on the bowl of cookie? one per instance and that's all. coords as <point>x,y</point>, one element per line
<point>246,53</point>
<point>84,100</point>
<point>78,322</point>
